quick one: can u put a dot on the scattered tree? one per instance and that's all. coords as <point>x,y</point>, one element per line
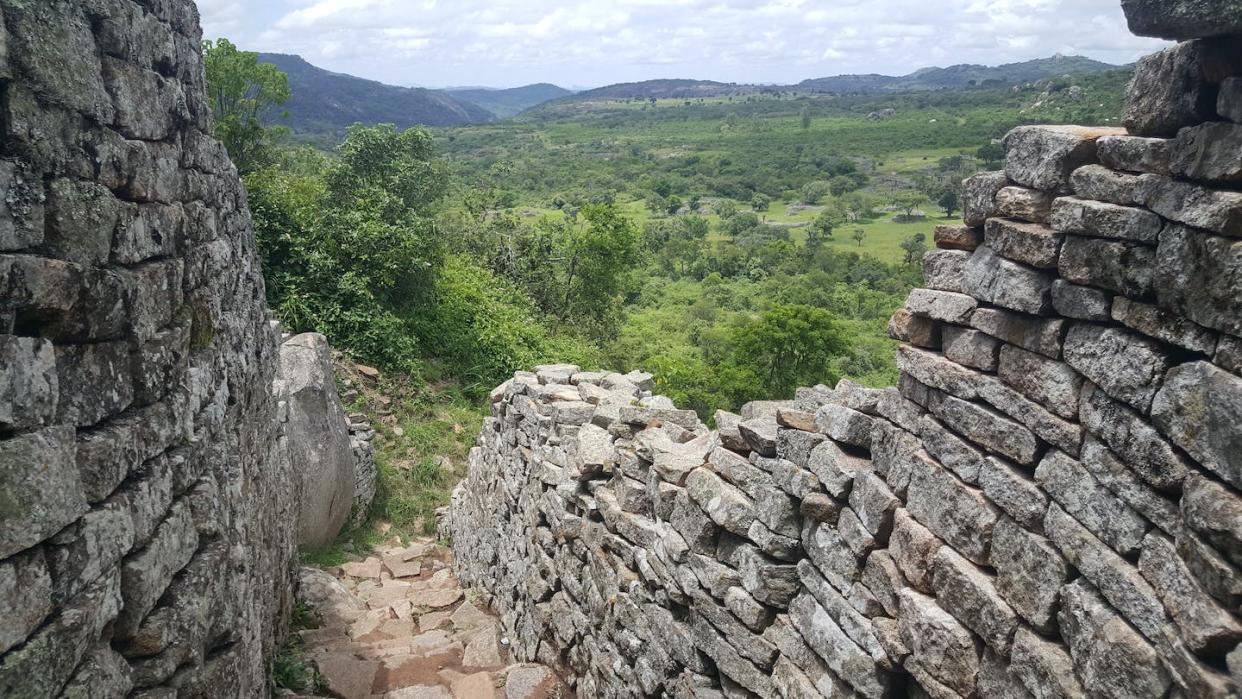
<point>914,246</point>
<point>791,345</point>
<point>859,235</point>
<point>242,91</point>
<point>760,202</point>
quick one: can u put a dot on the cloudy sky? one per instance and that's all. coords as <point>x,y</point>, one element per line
<point>505,43</point>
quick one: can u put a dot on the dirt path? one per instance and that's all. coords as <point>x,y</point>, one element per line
<point>397,625</point>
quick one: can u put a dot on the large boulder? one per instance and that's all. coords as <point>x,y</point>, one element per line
<point>318,438</point>
<point>1183,19</point>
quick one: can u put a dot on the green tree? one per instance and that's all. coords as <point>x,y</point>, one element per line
<point>859,235</point>
<point>242,90</point>
<point>724,208</point>
<point>596,254</point>
<point>948,201</point>
<point>806,118</point>
<point>673,205</point>
<point>908,202</point>
<point>760,202</point>
<point>814,191</point>
<point>821,228</point>
<point>790,345</point>
<point>914,246</point>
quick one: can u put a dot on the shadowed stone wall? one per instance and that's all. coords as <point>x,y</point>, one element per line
<point>1047,505</point>
<point>147,511</point>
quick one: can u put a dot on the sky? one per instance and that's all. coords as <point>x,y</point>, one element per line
<point>589,43</point>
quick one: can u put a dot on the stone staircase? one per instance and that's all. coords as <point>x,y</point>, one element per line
<point>398,625</point>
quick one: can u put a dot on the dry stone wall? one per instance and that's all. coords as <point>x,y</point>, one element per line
<point>147,509</point>
<point>1047,505</point>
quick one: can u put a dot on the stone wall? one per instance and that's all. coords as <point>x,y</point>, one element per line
<point>1046,505</point>
<point>147,509</point>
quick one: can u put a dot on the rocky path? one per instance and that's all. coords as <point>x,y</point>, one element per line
<point>397,625</point>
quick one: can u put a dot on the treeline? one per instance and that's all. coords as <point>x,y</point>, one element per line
<point>400,260</point>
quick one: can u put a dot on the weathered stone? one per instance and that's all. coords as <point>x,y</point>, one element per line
<point>978,204</point>
<point>970,596</point>
<point>1136,442</point>
<point>95,381</point>
<point>1042,157</point>
<point>146,576</point>
<point>1229,354</point>
<point>1118,266</point>
<point>1005,283</point>
<point>1121,480</point>
<point>934,370</point>
<point>942,269</point>
<point>80,218</point>
<point>1094,218</point>
<point>952,510</point>
<point>916,330</point>
<point>1229,100</point>
<point>1032,243</point>
<point>1199,409</point>
<point>1182,19</point>
<point>727,506</point>
<point>1126,366</point>
<point>1215,513</point>
<point>634,415</point>
<point>965,238</point>
<point>760,435</point>
<point>1036,334</point>
<point>1163,325</point>
<point>1197,276</point>
<point>874,504</point>
<point>1014,492</point>
<point>1134,154</point>
<point>1029,573</point>
<point>987,428</point>
<point>972,348</point>
<point>1215,210</point>
<point>914,549</point>
<point>944,306</point>
<point>40,487</point>
<point>820,508</point>
<point>938,643</point>
<point>844,425</point>
<point>1023,204</point>
<point>826,548</point>
<point>1100,184</point>
<point>882,579</point>
<point>28,386</point>
<point>318,438</point>
<point>1173,88</point>
<point>21,207</point>
<point>836,649</point>
<point>727,427</point>
<point>1119,582</point>
<point>673,462</point>
<point>1208,152</point>
<point>1044,667</point>
<point>1109,657</point>
<point>25,597</point>
<point>835,468</point>
<point>1094,506</point>
<point>1053,384</point>
<point>1081,302</point>
<point>1204,625</point>
<point>859,628</point>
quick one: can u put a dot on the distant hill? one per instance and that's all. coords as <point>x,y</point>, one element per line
<point>958,76</point>
<point>953,77</point>
<point>327,102</point>
<point>507,103</point>
<point>663,89</point>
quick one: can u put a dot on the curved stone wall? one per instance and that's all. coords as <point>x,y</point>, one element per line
<point>1047,505</point>
<point>147,510</point>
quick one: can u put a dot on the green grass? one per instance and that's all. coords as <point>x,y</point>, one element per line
<point>433,418</point>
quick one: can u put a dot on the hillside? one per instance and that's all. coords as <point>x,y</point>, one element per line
<point>327,102</point>
<point>508,102</point>
<point>933,78</point>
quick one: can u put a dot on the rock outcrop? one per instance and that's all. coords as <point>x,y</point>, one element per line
<point>1046,505</point>
<point>147,504</point>
<point>318,438</point>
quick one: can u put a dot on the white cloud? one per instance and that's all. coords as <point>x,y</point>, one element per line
<point>507,42</point>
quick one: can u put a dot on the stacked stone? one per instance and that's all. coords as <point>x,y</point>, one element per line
<point>1072,376</point>
<point>1046,505</point>
<point>361,438</point>
<point>146,513</point>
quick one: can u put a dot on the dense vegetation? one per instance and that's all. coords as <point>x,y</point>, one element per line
<point>736,246</point>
